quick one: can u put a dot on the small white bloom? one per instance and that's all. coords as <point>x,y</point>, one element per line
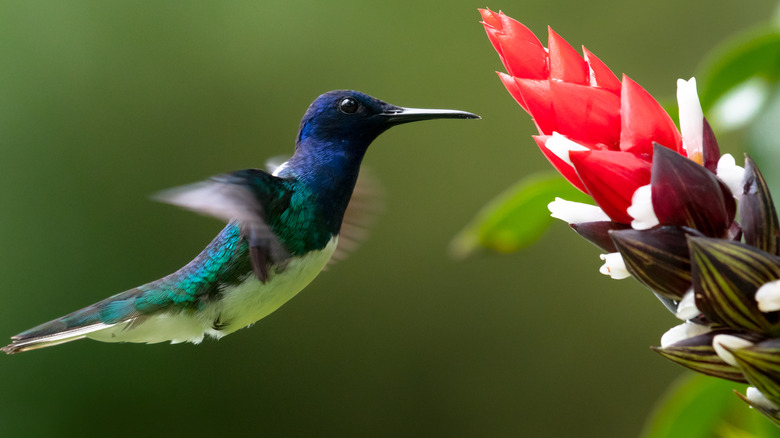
<point>758,398</point>
<point>722,342</point>
<point>682,332</point>
<point>731,174</point>
<point>691,119</point>
<point>686,309</point>
<point>768,296</point>
<point>560,146</point>
<point>614,266</point>
<point>576,212</point>
<point>641,209</point>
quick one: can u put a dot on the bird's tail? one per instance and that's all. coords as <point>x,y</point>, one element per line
<point>77,325</point>
<point>43,336</point>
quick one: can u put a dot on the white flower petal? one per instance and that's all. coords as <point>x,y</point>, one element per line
<point>721,342</point>
<point>731,174</point>
<point>768,296</point>
<point>614,266</point>
<point>682,332</point>
<point>560,146</point>
<point>758,398</point>
<point>576,212</point>
<point>691,119</point>
<point>687,309</point>
<point>641,209</point>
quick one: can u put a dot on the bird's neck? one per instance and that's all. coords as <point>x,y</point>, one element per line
<point>329,175</point>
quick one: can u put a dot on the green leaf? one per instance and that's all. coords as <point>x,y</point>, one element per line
<point>762,135</point>
<point>697,406</point>
<point>755,53</point>
<point>516,218</point>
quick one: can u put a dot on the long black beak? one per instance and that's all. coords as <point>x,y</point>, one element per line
<point>397,115</point>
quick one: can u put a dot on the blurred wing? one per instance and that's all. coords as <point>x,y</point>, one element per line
<point>364,206</point>
<point>241,196</point>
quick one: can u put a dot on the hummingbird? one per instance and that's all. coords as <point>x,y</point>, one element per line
<point>282,229</point>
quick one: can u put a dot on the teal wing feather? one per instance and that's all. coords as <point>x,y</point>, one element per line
<point>253,198</point>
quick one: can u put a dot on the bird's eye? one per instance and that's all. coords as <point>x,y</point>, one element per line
<point>348,105</point>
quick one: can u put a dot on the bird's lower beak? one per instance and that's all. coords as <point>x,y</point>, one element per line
<point>398,115</point>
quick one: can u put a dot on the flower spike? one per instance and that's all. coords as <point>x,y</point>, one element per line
<point>687,222</point>
<point>581,99</point>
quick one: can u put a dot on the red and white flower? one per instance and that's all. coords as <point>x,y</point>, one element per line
<point>610,124</point>
<point>667,204</point>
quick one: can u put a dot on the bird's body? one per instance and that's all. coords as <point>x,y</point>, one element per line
<point>283,227</point>
<point>241,302</point>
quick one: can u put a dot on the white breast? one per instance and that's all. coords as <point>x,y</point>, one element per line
<point>251,301</point>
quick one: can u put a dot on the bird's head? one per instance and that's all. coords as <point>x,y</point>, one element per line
<point>335,132</point>
<point>346,122</point>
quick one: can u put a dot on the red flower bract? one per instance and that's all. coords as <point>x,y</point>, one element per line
<point>581,99</point>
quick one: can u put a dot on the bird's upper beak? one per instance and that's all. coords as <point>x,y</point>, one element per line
<point>397,115</point>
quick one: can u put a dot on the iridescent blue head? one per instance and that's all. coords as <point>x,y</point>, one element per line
<point>350,120</point>
<point>339,125</point>
<point>335,133</point>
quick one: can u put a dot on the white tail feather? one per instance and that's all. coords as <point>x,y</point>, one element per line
<point>19,345</point>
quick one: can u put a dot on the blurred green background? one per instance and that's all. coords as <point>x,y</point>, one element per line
<point>105,102</point>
